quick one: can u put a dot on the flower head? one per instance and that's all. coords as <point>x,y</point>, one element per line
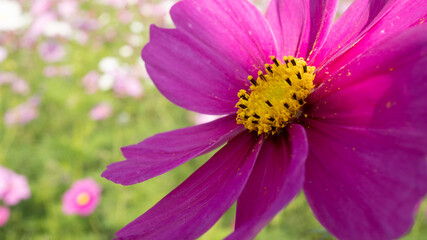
<point>23,113</point>
<point>101,111</point>
<point>82,198</point>
<point>4,215</point>
<point>335,109</point>
<point>13,187</point>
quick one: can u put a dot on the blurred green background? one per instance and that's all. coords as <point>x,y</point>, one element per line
<point>64,143</point>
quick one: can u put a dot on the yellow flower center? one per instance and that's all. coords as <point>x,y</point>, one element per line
<point>275,98</point>
<point>83,198</point>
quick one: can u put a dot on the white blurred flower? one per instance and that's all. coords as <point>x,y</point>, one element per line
<point>106,81</point>
<point>137,27</point>
<point>3,54</point>
<point>104,19</point>
<point>58,29</point>
<point>11,17</point>
<point>123,118</point>
<point>135,40</point>
<point>126,51</point>
<point>108,64</point>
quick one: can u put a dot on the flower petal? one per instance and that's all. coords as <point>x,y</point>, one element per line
<point>359,15</point>
<point>205,61</point>
<point>277,177</point>
<point>394,17</point>
<point>300,26</point>
<point>367,132</point>
<point>361,185</point>
<point>165,151</point>
<point>383,90</point>
<point>194,206</point>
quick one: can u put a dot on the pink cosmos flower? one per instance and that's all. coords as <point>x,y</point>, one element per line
<point>4,215</point>
<point>336,109</point>
<point>101,111</point>
<point>51,51</point>
<point>13,187</point>
<point>68,8</point>
<point>126,84</point>
<point>90,82</point>
<point>23,113</point>
<point>82,198</point>
<point>20,86</point>
<point>17,84</point>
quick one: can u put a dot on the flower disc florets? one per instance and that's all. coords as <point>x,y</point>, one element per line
<point>275,98</point>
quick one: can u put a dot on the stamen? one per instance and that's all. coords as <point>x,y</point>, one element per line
<point>252,80</point>
<point>261,76</point>
<point>275,61</point>
<point>243,106</point>
<point>274,98</point>
<point>269,69</point>
<point>293,62</point>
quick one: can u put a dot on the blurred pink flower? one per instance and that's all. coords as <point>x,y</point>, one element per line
<point>68,8</point>
<point>23,113</point>
<point>101,111</point>
<point>37,28</point>
<point>4,215</point>
<point>125,16</point>
<point>82,198</point>
<point>86,24</point>
<point>51,51</point>
<point>40,7</point>
<point>90,82</point>
<point>126,84</point>
<point>7,78</point>
<point>13,187</point>
<point>20,86</point>
<point>60,71</point>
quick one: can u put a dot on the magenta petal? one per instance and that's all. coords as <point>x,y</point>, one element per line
<point>205,61</point>
<point>300,26</point>
<point>165,151</point>
<point>383,90</point>
<point>278,175</point>
<point>361,185</point>
<point>195,205</point>
<point>394,17</point>
<point>288,20</point>
<point>367,133</point>
<point>359,15</point>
